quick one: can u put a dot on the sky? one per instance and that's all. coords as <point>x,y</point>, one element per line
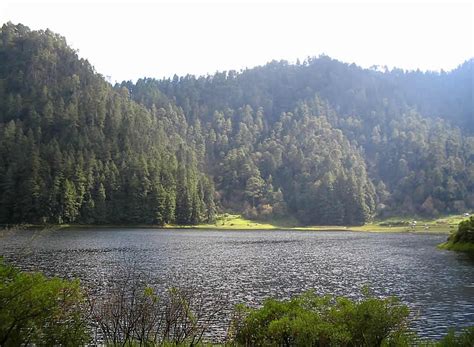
<point>128,40</point>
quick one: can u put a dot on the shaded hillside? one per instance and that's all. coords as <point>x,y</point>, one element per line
<point>72,149</point>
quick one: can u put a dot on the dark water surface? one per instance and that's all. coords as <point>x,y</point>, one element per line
<point>249,266</point>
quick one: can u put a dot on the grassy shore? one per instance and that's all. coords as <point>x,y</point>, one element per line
<point>237,222</point>
<point>458,246</point>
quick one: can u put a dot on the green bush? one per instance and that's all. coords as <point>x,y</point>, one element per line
<point>463,339</point>
<point>311,320</point>
<point>465,232</point>
<point>41,311</point>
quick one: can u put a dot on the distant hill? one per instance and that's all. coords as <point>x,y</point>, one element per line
<point>322,141</point>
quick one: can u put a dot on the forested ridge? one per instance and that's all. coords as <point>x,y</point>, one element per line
<point>73,149</point>
<point>320,141</point>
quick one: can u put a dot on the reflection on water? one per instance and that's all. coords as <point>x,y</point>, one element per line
<point>249,266</point>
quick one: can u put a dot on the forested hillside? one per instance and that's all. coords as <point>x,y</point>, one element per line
<point>323,142</point>
<point>73,149</point>
<point>411,133</point>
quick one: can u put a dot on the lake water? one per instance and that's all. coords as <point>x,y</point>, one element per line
<point>249,266</point>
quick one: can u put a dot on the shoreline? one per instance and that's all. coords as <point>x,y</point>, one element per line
<point>229,222</point>
<point>226,221</point>
<point>370,228</point>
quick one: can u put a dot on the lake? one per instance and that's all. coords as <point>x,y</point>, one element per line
<point>249,266</point>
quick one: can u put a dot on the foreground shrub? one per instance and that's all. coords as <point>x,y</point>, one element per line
<point>464,339</point>
<point>312,320</point>
<point>38,311</point>
<point>41,311</point>
<point>133,314</point>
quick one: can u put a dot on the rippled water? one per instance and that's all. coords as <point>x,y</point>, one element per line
<point>249,266</point>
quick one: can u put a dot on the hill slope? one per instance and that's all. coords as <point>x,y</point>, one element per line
<point>72,149</point>
<point>410,133</point>
<point>323,142</point>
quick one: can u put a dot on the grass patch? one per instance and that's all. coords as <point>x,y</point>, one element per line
<point>443,224</point>
<point>396,224</point>
<point>235,222</point>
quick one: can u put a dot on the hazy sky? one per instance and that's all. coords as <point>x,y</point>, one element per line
<point>128,40</point>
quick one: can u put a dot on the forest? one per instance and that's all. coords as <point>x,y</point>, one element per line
<point>319,141</point>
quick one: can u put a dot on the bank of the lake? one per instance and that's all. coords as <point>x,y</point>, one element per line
<point>462,240</point>
<point>228,221</point>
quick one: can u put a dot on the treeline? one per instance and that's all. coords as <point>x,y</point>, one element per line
<point>73,149</point>
<point>320,141</point>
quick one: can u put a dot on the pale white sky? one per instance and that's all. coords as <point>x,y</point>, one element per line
<point>129,40</point>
